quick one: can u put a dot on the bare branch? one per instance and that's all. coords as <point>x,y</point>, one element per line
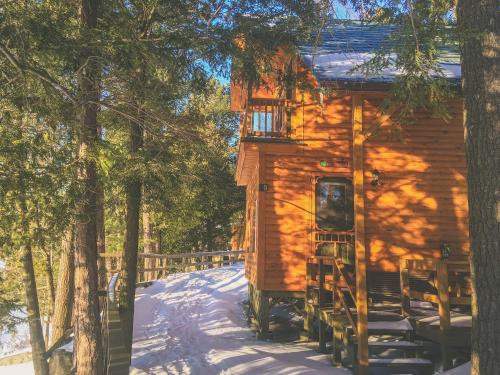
<point>40,74</point>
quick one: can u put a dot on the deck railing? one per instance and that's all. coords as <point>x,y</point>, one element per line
<point>116,356</point>
<point>152,266</point>
<point>266,118</point>
<point>440,270</point>
<point>445,295</point>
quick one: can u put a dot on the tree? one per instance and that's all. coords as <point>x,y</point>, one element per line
<point>63,305</point>
<point>75,65</point>
<point>88,353</point>
<point>479,23</point>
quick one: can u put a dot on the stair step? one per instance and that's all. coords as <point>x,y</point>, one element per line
<point>400,362</point>
<point>389,327</point>
<point>403,345</point>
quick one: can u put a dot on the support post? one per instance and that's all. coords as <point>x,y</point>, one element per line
<point>359,233</point>
<point>337,333</point>
<point>444,311</point>
<point>309,309</point>
<point>261,304</point>
<point>404,279</point>
<point>321,305</point>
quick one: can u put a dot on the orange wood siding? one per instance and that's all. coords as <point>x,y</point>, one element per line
<point>421,202</point>
<point>422,199</point>
<point>251,197</point>
<point>289,171</point>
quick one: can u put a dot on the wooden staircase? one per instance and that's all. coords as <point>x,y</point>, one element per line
<point>331,312</point>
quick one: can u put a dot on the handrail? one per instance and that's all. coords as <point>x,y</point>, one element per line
<point>178,255</point>
<point>336,268</point>
<point>347,280</point>
<point>152,266</point>
<point>442,268</point>
<point>116,356</point>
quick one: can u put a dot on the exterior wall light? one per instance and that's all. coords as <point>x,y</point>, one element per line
<point>376,178</point>
<point>445,250</point>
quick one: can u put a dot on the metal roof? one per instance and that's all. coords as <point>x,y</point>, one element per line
<point>344,46</point>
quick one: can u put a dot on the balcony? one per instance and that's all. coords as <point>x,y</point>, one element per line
<point>266,119</point>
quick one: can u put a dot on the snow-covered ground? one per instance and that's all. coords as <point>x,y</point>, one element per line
<point>194,323</point>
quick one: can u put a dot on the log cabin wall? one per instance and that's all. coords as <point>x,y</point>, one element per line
<point>421,199</point>
<point>250,227</point>
<point>419,203</point>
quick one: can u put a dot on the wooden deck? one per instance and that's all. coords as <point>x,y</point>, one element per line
<point>442,318</point>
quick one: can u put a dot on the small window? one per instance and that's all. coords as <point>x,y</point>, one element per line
<point>334,204</point>
<point>262,122</point>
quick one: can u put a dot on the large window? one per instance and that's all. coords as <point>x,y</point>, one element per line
<point>334,204</point>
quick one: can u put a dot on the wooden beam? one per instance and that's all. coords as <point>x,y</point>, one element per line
<point>261,224</point>
<point>359,233</point>
<point>444,311</point>
<point>321,303</point>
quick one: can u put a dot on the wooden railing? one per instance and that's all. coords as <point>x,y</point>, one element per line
<point>267,118</point>
<point>337,285</point>
<point>116,356</point>
<point>154,266</point>
<point>440,270</point>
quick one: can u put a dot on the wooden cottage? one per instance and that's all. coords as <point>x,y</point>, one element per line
<point>335,189</point>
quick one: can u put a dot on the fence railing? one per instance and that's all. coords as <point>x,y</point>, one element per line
<point>152,266</point>
<point>116,356</point>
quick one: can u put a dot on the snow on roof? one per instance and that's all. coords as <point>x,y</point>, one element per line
<point>343,47</point>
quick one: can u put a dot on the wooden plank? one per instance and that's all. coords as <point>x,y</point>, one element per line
<point>405,287</point>
<point>321,303</point>
<point>444,311</point>
<point>443,295</point>
<point>359,234</point>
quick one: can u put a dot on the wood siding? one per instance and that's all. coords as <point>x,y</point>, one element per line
<point>420,203</point>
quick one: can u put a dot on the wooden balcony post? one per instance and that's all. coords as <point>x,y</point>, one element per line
<point>359,233</point>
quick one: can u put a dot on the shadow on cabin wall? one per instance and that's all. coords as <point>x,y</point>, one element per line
<point>419,203</point>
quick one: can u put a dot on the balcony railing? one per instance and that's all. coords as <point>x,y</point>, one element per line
<point>266,118</point>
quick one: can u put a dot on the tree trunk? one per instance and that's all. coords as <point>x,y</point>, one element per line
<point>129,264</point>
<point>29,282</point>
<point>52,292</point>
<point>480,25</point>
<point>87,326</point>
<point>63,306</point>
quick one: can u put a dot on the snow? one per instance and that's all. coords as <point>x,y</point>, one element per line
<point>20,369</point>
<point>194,323</point>
<point>460,321</point>
<point>339,66</point>
<point>15,342</point>
<point>460,370</point>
